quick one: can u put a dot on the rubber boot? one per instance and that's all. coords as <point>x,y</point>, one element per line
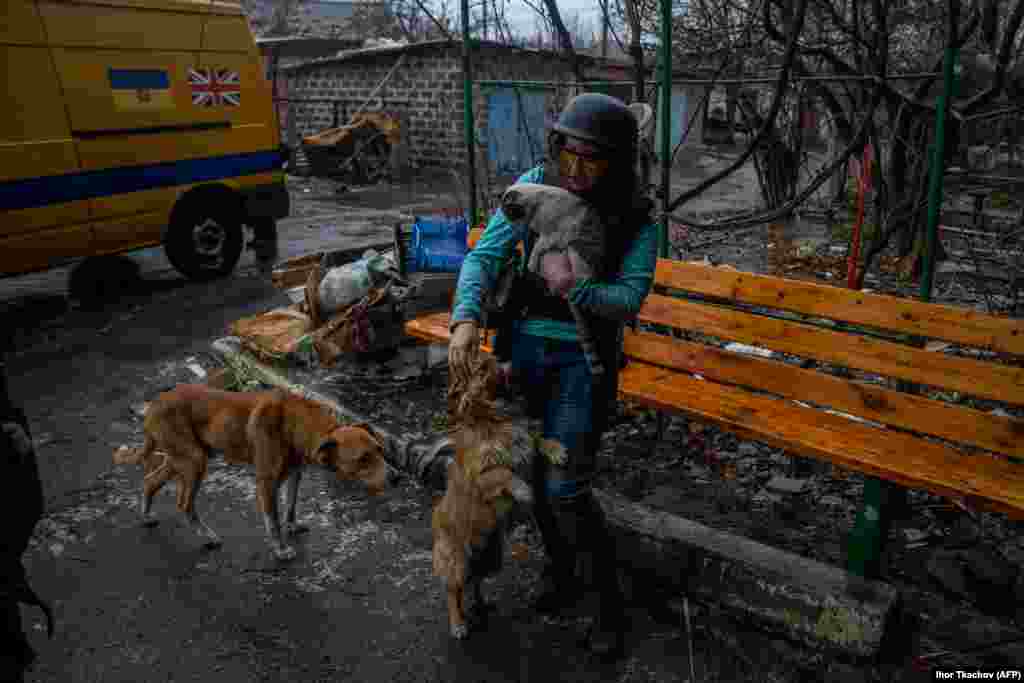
<point>607,635</point>
<point>559,587</point>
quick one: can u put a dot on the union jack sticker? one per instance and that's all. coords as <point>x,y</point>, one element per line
<point>215,87</point>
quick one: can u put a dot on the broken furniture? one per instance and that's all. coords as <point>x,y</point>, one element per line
<point>303,333</point>
<point>358,153</point>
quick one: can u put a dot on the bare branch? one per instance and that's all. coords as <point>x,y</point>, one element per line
<point>430,15</point>
<point>564,37</point>
<point>1006,50</point>
<point>781,85</point>
<point>757,217</point>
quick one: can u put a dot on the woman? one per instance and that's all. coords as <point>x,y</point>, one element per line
<point>592,152</point>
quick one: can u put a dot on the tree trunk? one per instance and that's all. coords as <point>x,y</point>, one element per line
<point>635,50</point>
<point>820,606</point>
<point>731,104</point>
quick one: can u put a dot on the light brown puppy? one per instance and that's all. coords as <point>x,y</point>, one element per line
<point>275,431</point>
<point>492,459</point>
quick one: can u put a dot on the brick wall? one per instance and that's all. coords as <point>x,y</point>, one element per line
<point>425,93</point>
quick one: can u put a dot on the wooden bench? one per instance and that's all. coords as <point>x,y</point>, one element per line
<point>856,379</point>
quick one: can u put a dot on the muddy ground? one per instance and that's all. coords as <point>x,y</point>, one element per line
<point>360,603</point>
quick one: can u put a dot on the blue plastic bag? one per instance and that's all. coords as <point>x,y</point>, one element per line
<point>439,243</point>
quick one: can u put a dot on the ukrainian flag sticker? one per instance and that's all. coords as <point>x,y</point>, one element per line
<point>140,89</point>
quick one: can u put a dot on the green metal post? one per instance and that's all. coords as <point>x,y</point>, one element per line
<point>467,111</point>
<point>881,498</point>
<point>937,171</point>
<point>666,121</point>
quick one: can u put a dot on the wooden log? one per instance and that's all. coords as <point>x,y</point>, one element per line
<point>811,603</point>
<point>805,601</point>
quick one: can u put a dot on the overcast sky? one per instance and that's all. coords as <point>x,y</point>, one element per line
<point>522,17</point>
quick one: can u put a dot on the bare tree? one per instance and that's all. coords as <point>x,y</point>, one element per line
<point>271,17</point>
<point>871,44</point>
<point>376,20</point>
<point>580,29</point>
<point>423,19</point>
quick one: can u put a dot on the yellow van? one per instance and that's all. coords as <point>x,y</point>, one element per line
<point>134,123</point>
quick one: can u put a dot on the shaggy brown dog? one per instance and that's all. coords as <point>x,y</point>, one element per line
<point>492,459</point>
<point>275,431</point>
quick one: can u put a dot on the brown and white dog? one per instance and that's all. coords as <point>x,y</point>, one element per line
<point>277,432</point>
<point>493,458</point>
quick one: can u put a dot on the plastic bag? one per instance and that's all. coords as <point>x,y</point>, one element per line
<point>347,284</point>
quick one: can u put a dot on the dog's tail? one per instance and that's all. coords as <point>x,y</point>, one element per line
<point>126,455</point>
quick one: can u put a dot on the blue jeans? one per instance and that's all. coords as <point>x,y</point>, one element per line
<point>555,379</point>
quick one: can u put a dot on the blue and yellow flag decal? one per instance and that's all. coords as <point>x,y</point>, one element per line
<point>140,89</point>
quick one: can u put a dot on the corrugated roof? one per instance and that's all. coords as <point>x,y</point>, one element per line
<point>425,46</point>
<point>304,46</point>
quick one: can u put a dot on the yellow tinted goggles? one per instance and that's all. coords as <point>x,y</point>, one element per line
<point>576,165</point>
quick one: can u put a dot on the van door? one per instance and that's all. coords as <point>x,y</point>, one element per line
<point>232,86</point>
<point>124,68</point>
<point>44,206</point>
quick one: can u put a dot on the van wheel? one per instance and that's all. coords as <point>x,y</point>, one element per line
<point>204,242</point>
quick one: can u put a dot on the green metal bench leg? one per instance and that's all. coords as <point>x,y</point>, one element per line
<point>883,501</point>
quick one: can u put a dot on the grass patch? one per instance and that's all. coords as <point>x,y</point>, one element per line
<point>1000,200</point>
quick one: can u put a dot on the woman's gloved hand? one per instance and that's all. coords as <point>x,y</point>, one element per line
<point>462,349</point>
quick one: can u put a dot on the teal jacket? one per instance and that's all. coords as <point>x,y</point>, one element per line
<point>616,301</point>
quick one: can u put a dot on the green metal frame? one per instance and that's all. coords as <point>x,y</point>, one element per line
<point>665,87</point>
<point>864,549</point>
<point>883,500</point>
<point>467,110</point>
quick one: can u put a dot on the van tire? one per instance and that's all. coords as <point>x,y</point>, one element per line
<point>205,239</point>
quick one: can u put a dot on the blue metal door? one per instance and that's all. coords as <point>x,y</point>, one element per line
<point>515,129</point>
<point>678,118</point>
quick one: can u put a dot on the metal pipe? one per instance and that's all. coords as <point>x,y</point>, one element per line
<point>935,178</point>
<point>666,122</point>
<point>467,111</point>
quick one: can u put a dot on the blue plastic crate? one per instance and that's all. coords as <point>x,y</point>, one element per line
<point>438,244</point>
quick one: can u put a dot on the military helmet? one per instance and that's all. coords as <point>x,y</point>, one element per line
<point>601,120</point>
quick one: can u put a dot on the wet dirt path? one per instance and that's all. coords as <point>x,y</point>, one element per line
<point>359,603</point>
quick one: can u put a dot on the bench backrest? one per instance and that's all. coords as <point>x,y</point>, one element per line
<point>882,342</point>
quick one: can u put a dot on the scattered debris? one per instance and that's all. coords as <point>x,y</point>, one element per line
<point>196,368</point>
<point>788,486</point>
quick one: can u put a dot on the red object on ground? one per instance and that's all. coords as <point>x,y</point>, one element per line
<point>864,184</point>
